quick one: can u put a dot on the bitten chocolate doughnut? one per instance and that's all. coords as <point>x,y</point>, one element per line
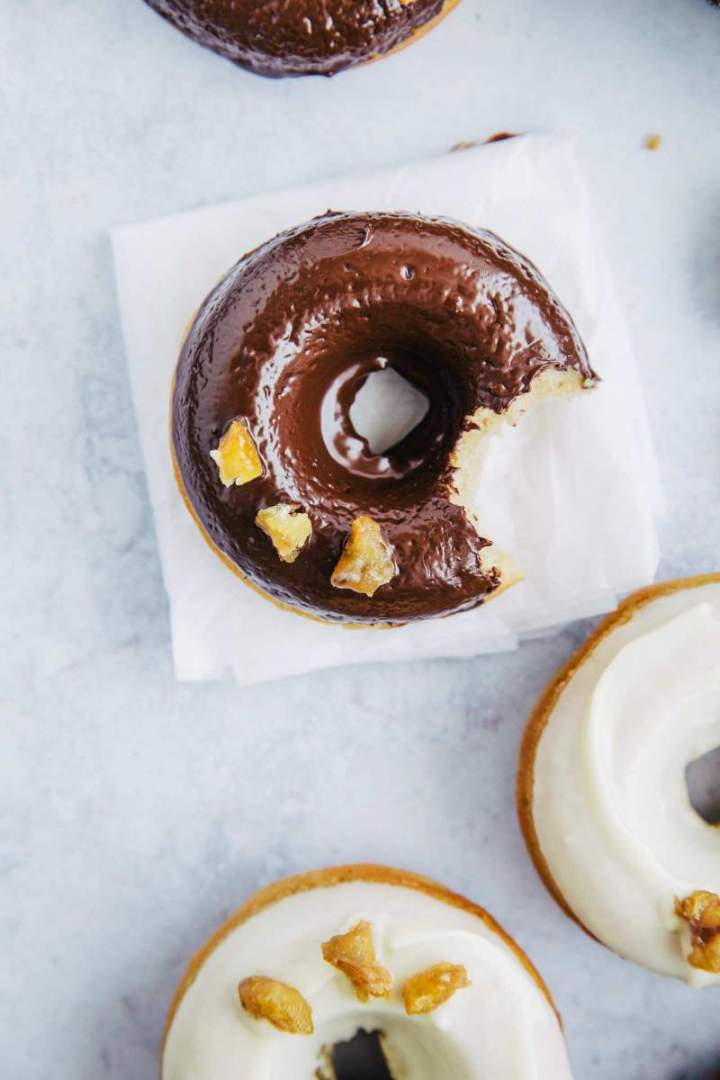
<point>305,37</point>
<point>266,453</point>
<point>602,789</point>
<point>284,987</point>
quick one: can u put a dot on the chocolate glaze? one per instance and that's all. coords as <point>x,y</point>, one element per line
<point>304,37</point>
<point>286,340</point>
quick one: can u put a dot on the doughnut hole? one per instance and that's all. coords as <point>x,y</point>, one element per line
<point>326,383</point>
<point>360,1058</point>
<point>383,1047</point>
<point>386,409</point>
<point>703,784</point>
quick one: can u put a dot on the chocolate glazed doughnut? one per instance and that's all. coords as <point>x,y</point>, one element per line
<point>267,458</point>
<point>305,37</point>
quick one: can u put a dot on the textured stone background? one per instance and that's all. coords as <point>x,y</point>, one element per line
<point>135,812</point>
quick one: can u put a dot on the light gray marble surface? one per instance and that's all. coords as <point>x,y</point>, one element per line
<point>136,812</point>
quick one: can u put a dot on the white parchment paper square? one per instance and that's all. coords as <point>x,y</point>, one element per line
<point>573,491</point>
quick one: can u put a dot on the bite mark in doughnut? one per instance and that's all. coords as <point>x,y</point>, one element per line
<point>279,352</point>
<point>496,1017</point>
<point>602,791</point>
<point>305,37</point>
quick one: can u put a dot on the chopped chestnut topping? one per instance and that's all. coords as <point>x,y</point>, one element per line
<point>288,528</point>
<point>353,953</point>
<point>281,1005</point>
<point>367,560</point>
<point>433,987</point>
<point>701,911</point>
<point>236,456</point>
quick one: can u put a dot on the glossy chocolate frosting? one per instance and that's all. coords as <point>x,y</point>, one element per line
<point>285,342</point>
<point>304,37</point>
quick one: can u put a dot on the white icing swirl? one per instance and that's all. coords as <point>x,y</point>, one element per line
<point>501,1026</point>
<point>610,799</point>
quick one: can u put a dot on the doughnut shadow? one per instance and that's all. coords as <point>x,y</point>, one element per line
<point>711,1072</point>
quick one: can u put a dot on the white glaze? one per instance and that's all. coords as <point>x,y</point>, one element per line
<point>500,1027</point>
<point>610,802</point>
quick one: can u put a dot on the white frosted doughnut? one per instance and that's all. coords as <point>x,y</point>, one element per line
<point>602,788</point>
<point>502,1024</point>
